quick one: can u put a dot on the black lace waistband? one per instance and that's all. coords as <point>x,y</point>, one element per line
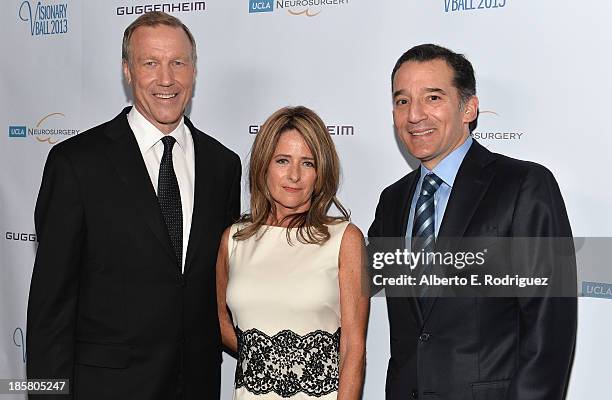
<point>288,363</point>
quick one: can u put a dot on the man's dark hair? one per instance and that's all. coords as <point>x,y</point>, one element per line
<point>463,79</point>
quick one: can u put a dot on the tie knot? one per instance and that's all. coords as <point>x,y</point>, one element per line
<point>168,142</point>
<point>431,183</point>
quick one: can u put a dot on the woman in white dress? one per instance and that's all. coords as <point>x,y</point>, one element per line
<point>291,289</point>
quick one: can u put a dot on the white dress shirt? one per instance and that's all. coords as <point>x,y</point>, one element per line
<point>183,159</point>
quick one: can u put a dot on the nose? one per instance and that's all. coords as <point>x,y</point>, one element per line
<point>166,75</point>
<point>416,113</point>
<point>294,173</point>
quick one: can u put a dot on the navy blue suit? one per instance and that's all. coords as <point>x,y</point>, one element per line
<point>466,348</point>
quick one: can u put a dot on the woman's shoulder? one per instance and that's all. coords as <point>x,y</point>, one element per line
<point>239,225</point>
<point>343,226</point>
<point>344,231</point>
<point>352,233</point>
<point>230,231</point>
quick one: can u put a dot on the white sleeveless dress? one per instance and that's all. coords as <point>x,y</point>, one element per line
<point>285,305</point>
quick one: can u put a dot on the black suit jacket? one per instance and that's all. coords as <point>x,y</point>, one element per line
<point>109,307</point>
<point>479,348</point>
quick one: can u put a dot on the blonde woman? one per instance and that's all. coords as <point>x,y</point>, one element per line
<point>289,276</point>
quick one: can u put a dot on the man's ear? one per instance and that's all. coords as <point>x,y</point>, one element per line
<point>126,72</point>
<point>470,110</point>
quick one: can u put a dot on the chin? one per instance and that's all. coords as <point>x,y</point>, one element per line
<point>169,120</point>
<point>293,208</point>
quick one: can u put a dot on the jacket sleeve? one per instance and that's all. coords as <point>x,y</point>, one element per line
<point>547,323</point>
<point>374,244</point>
<point>233,204</point>
<point>52,304</point>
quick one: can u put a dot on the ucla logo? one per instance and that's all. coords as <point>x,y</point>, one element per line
<point>45,19</point>
<point>597,289</point>
<point>18,131</point>
<point>256,6</point>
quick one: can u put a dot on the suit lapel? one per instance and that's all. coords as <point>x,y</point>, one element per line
<point>203,189</point>
<point>407,195</point>
<point>125,155</point>
<point>406,199</point>
<point>470,186</point>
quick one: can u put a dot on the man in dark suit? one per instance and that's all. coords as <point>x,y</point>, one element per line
<point>478,347</point>
<point>129,219</point>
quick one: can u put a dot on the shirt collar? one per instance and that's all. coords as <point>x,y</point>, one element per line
<point>449,166</point>
<point>147,135</point>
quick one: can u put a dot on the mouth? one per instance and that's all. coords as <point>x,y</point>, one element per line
<point>165,96</point>
<point>421,132</point>
<point>291,189</point>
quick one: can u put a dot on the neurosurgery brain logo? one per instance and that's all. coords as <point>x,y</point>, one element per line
<point>483,117</point>
<point>305,8</point>
<point>46,130</point>
<point>45,19</point>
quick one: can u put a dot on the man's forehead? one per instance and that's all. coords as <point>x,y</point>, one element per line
<point>425,76</point>
<point>159,30</point>
<point>161,37</point>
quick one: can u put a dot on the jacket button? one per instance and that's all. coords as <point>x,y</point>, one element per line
<point>424,337</point>
<point>414,394</point>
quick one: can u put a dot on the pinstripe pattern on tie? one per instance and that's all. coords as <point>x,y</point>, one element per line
<point>423,229</point>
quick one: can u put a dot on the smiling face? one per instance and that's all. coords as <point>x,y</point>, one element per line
<point>427,111</point>
<point>161,73</point>
<point>291,175</point>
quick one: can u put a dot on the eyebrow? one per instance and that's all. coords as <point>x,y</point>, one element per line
<point>290,156</point>
<point>430,90</point>
<point>427,90</point>
<point>398,92</point>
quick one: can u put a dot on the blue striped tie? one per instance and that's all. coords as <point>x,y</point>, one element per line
<point>423,230</point>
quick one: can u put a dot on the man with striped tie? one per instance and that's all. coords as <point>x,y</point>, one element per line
<point>476,347</point>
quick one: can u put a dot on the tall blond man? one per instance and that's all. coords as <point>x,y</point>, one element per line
<point>129,218</point>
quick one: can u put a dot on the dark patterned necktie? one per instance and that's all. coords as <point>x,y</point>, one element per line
<point>423,229</point>
<point>169,198</point>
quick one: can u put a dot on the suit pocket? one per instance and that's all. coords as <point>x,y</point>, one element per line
<point>491,390</point>
<point>103,355</point>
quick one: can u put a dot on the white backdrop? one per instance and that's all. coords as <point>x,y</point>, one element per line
<point>543,78</point>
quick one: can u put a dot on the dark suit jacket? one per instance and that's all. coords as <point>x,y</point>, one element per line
<point>480,348</point>
<point>109,308</point>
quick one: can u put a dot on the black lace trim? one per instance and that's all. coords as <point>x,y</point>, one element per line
<point>288,363</point>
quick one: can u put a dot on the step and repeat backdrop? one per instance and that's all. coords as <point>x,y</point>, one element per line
<point>542,79</point>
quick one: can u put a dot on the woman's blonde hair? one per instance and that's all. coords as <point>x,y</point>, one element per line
<point>311,224</point>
